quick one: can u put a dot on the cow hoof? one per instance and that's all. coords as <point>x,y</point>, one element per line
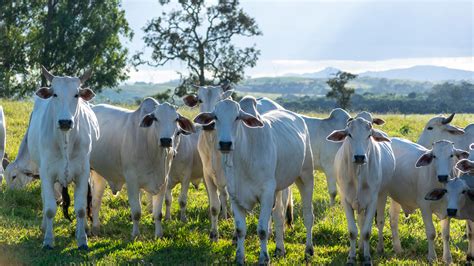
<point>351,260</point>
<point>83,247</point>
<point>214,236</point>
<point>309,251</point>
<point>95,230</point>
<point>380,249</point>
<point>264,259</point>
<point>280,252</point>
<point>398,250</point>
<point>367,261</point>
<point>184,219</point>
<point>47,247</point>
<point>167,218</point>
<point>240,260</point>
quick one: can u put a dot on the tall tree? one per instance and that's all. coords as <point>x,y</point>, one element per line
<point>201,36</point>
<point>339,91</point>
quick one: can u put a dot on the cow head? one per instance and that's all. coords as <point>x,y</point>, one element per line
<point>64,96</point>
<point>359,135</point>
<point>227,115</point>
<point>456,193</point>
<point>167,122</point>
<point>439,128</point>
<point>443,156</point>
<point>17,178</point>
<point>369,117</point>
<point>208,96</point>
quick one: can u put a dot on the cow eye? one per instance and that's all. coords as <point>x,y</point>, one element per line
<point>434,156</point>
<point>199,101</point>
<point>237,118</point>
<point>349,135</point>
<point>13,177</point>
<point>55,95</point>
<point>429,128</point>
<point>76,96</point>
<point>464,192</point>
<point>451,156</point>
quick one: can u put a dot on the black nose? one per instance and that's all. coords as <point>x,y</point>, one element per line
<point>452,212</point>
<point>166,142</point>
<point>65,124</point>
<point>359,159</point>
<point>443,178</point>
<point>225,145</point>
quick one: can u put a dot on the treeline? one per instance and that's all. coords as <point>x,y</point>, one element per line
<point>442,98</point>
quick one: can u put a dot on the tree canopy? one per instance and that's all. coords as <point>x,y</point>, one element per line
<point>339,91</point>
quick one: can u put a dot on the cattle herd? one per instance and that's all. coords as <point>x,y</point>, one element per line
<point>246,152</point>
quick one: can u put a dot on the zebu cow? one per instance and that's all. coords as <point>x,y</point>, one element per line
<point>363,165</point>
<point>60,138</point>
<point>262,156</point>
<point>418,171</point>
<point>135,148</point>
<point>458,195</point>
<point>324,151</point>
<point>439,128</point>
<point>186,168</point>
<point>3,141</point>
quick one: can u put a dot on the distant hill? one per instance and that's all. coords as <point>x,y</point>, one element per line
<point>422,73</point>
<point>326,73</point>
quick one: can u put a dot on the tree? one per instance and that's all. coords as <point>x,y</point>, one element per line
<point>339,91</point>
<point>67,37</point>
<point>201,37</point>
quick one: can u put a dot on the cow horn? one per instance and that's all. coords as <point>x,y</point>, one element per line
<point>85,76</point>
<point>49,77</point>
<point>448,119</point>
<point>226,85</point>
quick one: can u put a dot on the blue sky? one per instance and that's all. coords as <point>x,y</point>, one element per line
<point>306,36</point>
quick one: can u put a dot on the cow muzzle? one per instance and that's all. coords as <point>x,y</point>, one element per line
<point>65,124</point>
<point>443,178</point>
<point>225,146</point>
<point>452,212</point>
<point>166,142</point>
<point>359,159</point>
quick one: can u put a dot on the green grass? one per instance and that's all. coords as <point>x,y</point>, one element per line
<point>188,243</point>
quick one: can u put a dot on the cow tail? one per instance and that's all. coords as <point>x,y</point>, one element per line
<point>289,209</point>
<point>66,203</point>
<point>89,201</point>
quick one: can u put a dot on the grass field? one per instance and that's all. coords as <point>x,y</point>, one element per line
<point>188,243</point>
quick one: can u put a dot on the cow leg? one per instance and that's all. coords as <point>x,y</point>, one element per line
<point>241,232</point>
<point>43,200</point>
<point>381,202</point>
<point>157,210</point>
<point>214,205</point>
<point>169,198</point>
<point>80,206</point>
<point>367,229</point>
<point>223,196</point>
<point>352,228</point>
<point>134,200</point>
<point>360,225</point>
<point>430,232</point>
<point>98,188</point>
<point>445,236</point>
<point>305,186</point>
<point>278,219</point>
<point>470,237</point>
<point>183,199</point>
<point>267,200</point>
<point>49,210</point>
<point>394,219</point>
<point>331,182</point>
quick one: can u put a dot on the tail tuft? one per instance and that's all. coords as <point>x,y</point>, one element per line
<point>66,203</point>
<point>289,210</point>
<point>89,201</point>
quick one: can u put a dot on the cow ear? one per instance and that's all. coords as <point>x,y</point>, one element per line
<point>204,118</point>
<point>454,130</point>
<point>424,160</point>
<point>87,75</point>
<point>47,75</point>
<point>461,154</point>
<point>227,94</point>
<point>186,124</point>
<point>147,120</point>
<point>435,194</point>
<point>465,165</point>
<point>190,100</point>
<point>337,135</point>
<point>5,163</point>
<point>379,136</point>
<point>86,94</point>
<point>470,194</point>
<point>44,93</point>
<point>378,121</point>
<point>250,120</point>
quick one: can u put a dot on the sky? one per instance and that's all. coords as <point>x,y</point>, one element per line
<point>303,36</point>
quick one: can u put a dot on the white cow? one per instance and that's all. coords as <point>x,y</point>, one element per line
<point>3,141</point>
<point>135,148</point>
<point>186,168</point>
<point>60,137</point>
<point>459,198</point>
<point>363,165</point>
<point>418,171</point>
<point>324,151</point>
<point>439,128</point>
<point>262,156</point>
